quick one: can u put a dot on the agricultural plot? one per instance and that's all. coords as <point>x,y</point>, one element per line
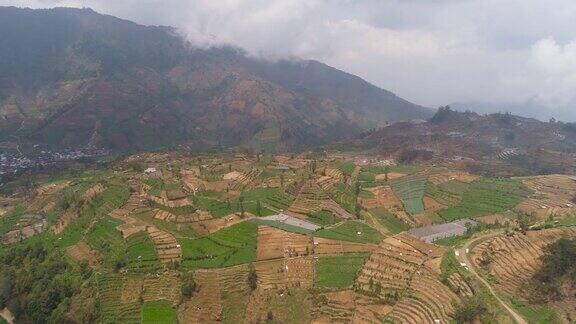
<point>352,231</point>
<point>410,189</point>
<point>487,196</point>
<point>158,312</point>
<point>344,196</point>
<point>275,243</point>
<point>206,305</point>
<point>322,218</point>
<point>140,253</point>
<point>388,220</point>
<point>231,246</point>
<point>347,168</point>
<point>447,193</point>
<point>273,199</point>
<point>552,195</point>
<point>10,219</point>
<point>112,310</point>
<point>234,293</point>
<point>338,272</point>
<point>104,238</point>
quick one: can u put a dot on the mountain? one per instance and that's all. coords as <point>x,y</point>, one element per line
<point>72,78</point>
<point>516,145</point>
<point>531,109</point>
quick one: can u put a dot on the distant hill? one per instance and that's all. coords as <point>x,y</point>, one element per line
<point>528,109</point>
<point>525,144</point>
<point>74,78</point>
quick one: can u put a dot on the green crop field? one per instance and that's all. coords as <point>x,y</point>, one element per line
<point>366,176</point>
<point>10,219</point>
<point>231,246</point>
<point>338,272</point>
<point>140,253</point>
<point>104,237</point>
<point>273,197</point>
<point>487,196</point>
<point>158,312</point>
<point>410,189</point>
<point>282,226</point>
<point>447,194</point>
<point>344,196</point>
<point>393,224</point>
<point>348,231</point>
<point>322,218</point>
<point>112,310</point>
<point>157,186</point>
<point>347,168</point>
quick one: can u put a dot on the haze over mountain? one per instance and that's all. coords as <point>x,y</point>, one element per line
<point>75,78</point>
<point>528,109</point>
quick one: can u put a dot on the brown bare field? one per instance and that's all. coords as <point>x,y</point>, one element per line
<point>166,245</point>
<point>444,177</point>
<point>398,266</point>
<point>162,286</point>
<point>552,196</point>
<point>308,199</point>
<point>132,288</point>
<point>197,216</point>
<point>431,205</point>
<point>206,305</point>
<point>368,203</point>
<point>386,197</point>
<point>422,220</point>
<point>285,273</point>
<point>274,243</point>
<point>289,306</point>
<point>83,252</point>
<point>214,225</point>
<point>332,177</point>
<point>334,307</point>
<point>52,188</point>
<point>234,292</point>
<point>516,257</point>
<point>390,176</point>
<point>327,246</point>
<point>429,301</point>
<point>173,203</point>
<point>69,216</point>
<point>496,219</point>
<point>90,193</point>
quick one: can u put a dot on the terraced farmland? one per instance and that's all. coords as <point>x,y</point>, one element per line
<point>140,253</point>
<point>338,272</point>
<point>231,246</point>
<point>352,231</point>
<point>410,189</point>
<point>487,196</point>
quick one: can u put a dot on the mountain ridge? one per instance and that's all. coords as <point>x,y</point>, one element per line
<point>74,78</point>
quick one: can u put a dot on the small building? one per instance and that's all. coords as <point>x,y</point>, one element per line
<point>153,173</point>
<point>432,233</point>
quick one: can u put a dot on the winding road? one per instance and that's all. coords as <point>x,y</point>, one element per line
<point>463,257</point>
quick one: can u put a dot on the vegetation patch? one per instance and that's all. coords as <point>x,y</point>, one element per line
<point>105,238</point>
<point>351,231</point>
<point>231,246</point>
<point>339,272</point>
<point>322,218</point>
<point>485,197</point>
<point>449,193</point>
<point>158,312</point>
<point>392,223</point>
<point>140,253</point>
<point>410,189</point>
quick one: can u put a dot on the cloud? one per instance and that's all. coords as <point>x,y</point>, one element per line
<point>432,52</point>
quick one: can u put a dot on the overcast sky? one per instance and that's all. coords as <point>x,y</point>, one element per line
<point>432,52</point>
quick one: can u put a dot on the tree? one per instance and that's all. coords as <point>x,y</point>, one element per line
<point>252,278</point>
<point>189,285</point>
<point>470,310</point>
<point>241,201</point>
